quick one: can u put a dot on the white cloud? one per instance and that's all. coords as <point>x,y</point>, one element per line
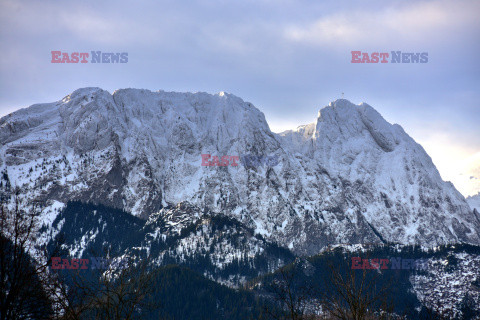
<point>413,22</point>
<point>468,179</point>
<point>455,161</point>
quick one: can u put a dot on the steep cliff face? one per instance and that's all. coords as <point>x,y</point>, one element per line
<point>378,171</point>
<point>350,177</point>
<point>474,202</point>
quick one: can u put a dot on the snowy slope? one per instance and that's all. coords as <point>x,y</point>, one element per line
<point>474,202</point>
<point>218,247</point>
<point>350,177</point>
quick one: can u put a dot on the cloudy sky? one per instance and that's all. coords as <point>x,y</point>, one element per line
<point>289,58</point>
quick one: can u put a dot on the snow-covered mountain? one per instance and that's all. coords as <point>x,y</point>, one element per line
<point>349,177</point>
<point>474,202</point>
<point>220,248</point>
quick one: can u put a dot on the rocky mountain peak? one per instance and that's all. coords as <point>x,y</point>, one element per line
<point>349,177</point>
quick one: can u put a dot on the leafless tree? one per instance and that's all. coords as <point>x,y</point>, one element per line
<point>21,291</point>
<point>110,293</point>
<point>30,289</point>
<point>353,294</point>
<point>291,297</point>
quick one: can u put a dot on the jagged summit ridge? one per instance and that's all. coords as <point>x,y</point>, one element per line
<point>349,177</point>
<point>474,202</point>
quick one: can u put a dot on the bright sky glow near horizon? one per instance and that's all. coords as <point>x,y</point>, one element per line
<point>289,58</point>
